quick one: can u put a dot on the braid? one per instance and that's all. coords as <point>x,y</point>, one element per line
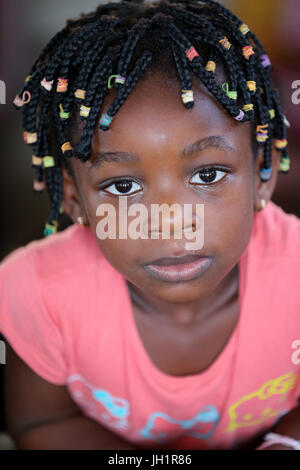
<point>72,74</point>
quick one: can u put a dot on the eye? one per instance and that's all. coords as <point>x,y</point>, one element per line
<point>208,175</point>
<point>123,187</point>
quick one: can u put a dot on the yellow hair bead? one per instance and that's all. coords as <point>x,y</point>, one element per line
<point>284,164</point>
<point>244,29</point>
<point>80,94</point>
<point>27,78</point>
<point>48,161</point>
<point>262,132</point>
<point>251,85</point>
<point>187,96</point>
<point>272,113</point>
<point>84,111</point>
<point>30,138</point>
<point>248,107</point>
<point>37,160</point>
<point>225,43</point>
<point>66,146</point>
<point>281,144</point>
<point>210,66</point>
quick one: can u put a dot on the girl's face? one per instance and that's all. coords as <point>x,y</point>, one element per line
<point>149,133</point>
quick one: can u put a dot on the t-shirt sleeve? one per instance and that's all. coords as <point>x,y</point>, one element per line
<point>25,317</point>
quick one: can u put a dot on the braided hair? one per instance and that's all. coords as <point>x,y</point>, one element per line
<point>116,43</point>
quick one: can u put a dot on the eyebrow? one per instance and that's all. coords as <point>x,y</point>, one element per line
<point>216,141</point>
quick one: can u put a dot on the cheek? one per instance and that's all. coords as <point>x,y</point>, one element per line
<point>121,254</point>
<point>228,219</point>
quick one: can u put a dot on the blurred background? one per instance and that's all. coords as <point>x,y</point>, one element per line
<point>26,27</point>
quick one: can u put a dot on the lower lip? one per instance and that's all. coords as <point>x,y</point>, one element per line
<point>179,272</point>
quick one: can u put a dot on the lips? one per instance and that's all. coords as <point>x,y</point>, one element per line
<point>174,260</point>
<point>178,269</point>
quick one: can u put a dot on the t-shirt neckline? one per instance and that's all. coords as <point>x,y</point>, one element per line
<point>152,370</point>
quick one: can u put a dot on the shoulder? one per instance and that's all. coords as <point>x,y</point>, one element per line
<point>275,233</point>
<point>68,254</point>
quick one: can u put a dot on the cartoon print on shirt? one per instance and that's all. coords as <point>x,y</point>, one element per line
<point>160,426</point>
<point>261,404</point>
<point>99,403</point>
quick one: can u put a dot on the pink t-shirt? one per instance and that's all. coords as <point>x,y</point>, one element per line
<point>67,313</point>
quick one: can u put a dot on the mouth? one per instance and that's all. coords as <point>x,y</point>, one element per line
<point>178,269</point>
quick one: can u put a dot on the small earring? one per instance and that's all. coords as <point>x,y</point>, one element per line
<point>80,220</point>
<point>262,204</point>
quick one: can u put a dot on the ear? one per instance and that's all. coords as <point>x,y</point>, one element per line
<point>264,190</point>
<point>71,200</point>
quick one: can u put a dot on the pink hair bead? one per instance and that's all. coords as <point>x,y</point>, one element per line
<point>191,53</point>
<point>47,84</point>
<point>62,85</point>
<point>26,97</point>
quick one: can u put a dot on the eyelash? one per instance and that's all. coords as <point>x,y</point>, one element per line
<point>198,172</point>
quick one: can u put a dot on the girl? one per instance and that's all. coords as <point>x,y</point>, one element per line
<point>127,342</point>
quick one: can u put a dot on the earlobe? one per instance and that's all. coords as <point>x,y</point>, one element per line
<point>264,190</point>
<point>71,200</point>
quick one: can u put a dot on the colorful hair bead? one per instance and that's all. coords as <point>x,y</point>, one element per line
<point>191,53</point>
<point>240,116</point>
<point>261,137</point>
<point>225,43</point>
<point>37,161</point>
<point>80,94</point>
<point>27,78</point>
<point>118,79</point>
<point>248,51</point>
<point>38,185</point>
<point>211,66</point>
<point>62,113</point>
<point>84,111</point>
<point>61,210</point>
<point>66,146</point>
<point>266,174</point>
<point>51,228</point>
<point>284,164</point>
<point>30,138</point>
<point>48,161</point>
<point>187,96</point>
<point>265,61</point>
<point>281,144</point>
<point>19,102</point>
<point>244,29</point>
<point>251,84</point>
<point>263,128</point>
<point>62,85</point>
<point>47,85</point>
<point>272,113</point>
<point>248,107</point>
<point>105,121</point>
<point>231,94</point>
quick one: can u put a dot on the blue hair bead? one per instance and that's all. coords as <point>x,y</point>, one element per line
<point>105,121</point>
<point>266,174</point>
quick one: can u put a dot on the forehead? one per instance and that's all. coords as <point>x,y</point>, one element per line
<point>153,118</point>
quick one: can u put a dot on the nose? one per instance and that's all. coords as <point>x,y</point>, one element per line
<point>173,221</point>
